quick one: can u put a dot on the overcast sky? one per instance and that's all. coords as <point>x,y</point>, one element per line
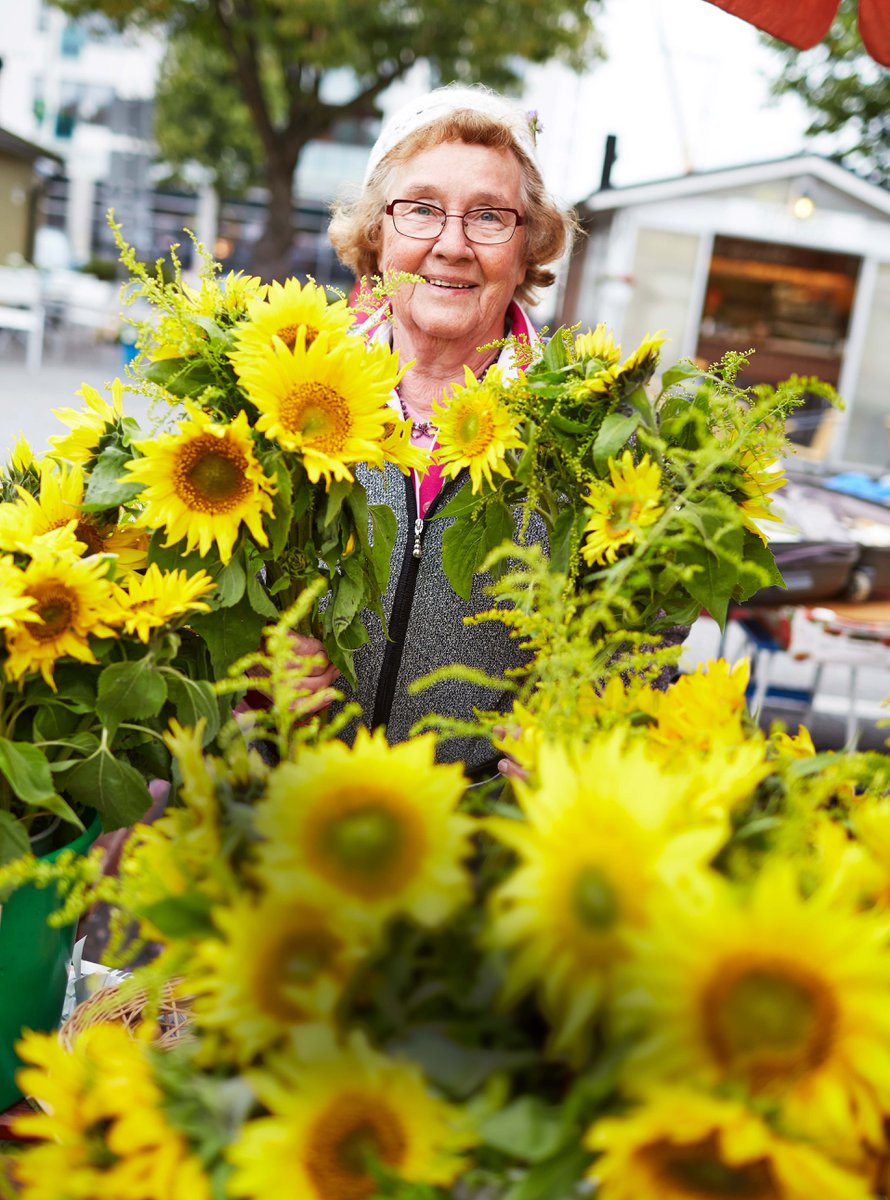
<point>685,86</point>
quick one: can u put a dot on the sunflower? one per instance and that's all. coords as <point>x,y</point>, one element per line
<point>277,963</point>
<point>798,746</point>
<point>476,429</point>
<point>599,344</point>
<point>285,309</point>
<point>88,427</point>
<point>622,508</point>
<point>328,1118</point>
<point>103,1129</point>
<point>369,830</point>
<point>59,502</point>
<point>152,600</point>
<point>74,599</point>
<point>760,477</point>
<point>682,1145</point>
<point>202,483</point>
<point>16,606</point>
<point>397,448</point>
<point>784,996</point>
<point>639,366</point>
<point>328,402</point>
<point>700,708</point>
<point>595,849</point>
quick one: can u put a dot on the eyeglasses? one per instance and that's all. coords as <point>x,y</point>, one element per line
<point>485,226</point>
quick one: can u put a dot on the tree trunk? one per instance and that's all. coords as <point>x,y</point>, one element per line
<point>272,254</point>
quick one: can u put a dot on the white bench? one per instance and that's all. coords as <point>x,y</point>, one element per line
<point>22,309</point>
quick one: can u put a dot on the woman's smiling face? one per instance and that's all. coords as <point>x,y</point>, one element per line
<point>467,288</point>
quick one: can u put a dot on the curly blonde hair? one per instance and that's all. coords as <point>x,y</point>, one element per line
<point>356,227</point>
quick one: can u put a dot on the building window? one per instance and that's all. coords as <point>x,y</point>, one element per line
<point>73,39</point>
<point>90,103</point>
<point>790,304</point>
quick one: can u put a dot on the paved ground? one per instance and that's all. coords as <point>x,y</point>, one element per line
<point>27,398</point>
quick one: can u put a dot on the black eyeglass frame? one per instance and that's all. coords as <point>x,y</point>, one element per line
<point>520,220</point>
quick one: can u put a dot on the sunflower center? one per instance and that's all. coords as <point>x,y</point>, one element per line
<point>594,900</point>
<point>770,1020</point>
<point>473,431</point>
<point>211,475</point>
<point>57,608</point>
<point>352,1130</point>
<point>697,1172</point>
<point>86,533</point>
<point>295,960</point>
<point>623,512</point>
<point>369,847</point>
<point>318,413</point>
<point>288,334</point>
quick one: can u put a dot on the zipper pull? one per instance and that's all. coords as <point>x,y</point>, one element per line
<point>418,532</point>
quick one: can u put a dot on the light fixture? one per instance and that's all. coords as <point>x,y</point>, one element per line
<point>804,206</point>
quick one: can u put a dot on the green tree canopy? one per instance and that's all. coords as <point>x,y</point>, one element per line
<point>847,92</point>
<point>278,55</point>
<point>200,118</point>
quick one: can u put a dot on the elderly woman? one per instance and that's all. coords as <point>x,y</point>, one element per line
<point>452,195</point>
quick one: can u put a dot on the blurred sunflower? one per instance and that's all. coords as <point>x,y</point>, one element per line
<point>74,599</point>
<point>596,847</point>
<point>476,429</point>
<point>761,476</point>
<point>683,1145</point>
<point>788,997</point>
<point>700,708</point>
<point>328,402</point>
<point>282,312</point>
<point>153,599</point>
<point>621,508</point>
<point>202,483</point>
<point>277,963</point>
<point>330,1118</point>
<point>369,830</point>
<point>102,1130</point>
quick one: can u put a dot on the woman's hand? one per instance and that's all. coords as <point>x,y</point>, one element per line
<point>315,677</point>
<point>318,672</point>
<point>509,767</point>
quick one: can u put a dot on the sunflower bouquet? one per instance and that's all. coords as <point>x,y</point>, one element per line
<point>271,400</point>
<point>95,654</point>
<point>661,971</point>
<point>611,457</point>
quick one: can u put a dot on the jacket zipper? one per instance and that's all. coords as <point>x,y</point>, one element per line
<point>401,607</point>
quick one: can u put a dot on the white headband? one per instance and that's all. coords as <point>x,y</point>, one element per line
<point>424,110</point>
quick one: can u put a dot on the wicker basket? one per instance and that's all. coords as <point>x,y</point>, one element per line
<point>127,1007</point>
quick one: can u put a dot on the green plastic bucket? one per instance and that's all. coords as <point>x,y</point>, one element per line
<point>34,959</point>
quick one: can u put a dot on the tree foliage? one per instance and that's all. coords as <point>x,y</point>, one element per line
<point>847,92</point>
<point>200,118</point>
<point>281,56</point>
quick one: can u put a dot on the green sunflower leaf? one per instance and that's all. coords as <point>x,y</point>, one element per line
<point>129,691</point>
<point>117,791</point>
<point>109,485</point>
<point>612,437</point>
<point>27,772</point>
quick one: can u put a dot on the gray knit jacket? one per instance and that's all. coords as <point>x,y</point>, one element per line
<point>426,630</point>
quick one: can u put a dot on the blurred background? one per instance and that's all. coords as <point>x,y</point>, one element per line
<point>733,190</point>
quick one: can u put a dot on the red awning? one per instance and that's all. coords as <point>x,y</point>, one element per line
<point>803,23</point>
